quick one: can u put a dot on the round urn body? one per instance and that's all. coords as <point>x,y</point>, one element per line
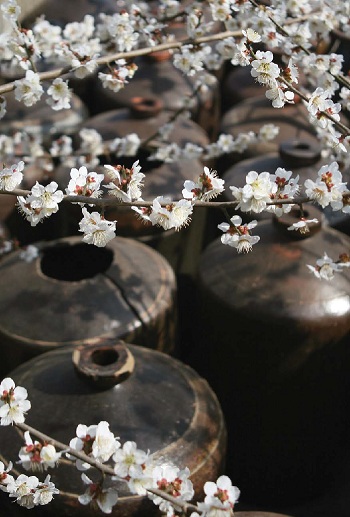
<point>77,293</point>
<point>143,408</point>
<point>277,356</point>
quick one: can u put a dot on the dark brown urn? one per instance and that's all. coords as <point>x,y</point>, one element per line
<point>278,356</point>
<point>303,158</point>
<point>78,293</point>
<point>158,402</point>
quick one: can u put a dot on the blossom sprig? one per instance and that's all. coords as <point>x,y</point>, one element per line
<point>237,235</point>
<point>29,492</point>
<point>207,186</point>
<point>125,183</point>
<point>328,188</point>
<point>165,484</point>
<point>41,202</point>
<point>37,456</point>
<point>166,213</point>
<point>97,230</point>
<point>84,183</point>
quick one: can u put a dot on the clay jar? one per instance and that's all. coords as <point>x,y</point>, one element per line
<point>161,404</point>
<point>303,158</point>
<point>252,114</point>
<point>78,293</point>
<point>277,355</point>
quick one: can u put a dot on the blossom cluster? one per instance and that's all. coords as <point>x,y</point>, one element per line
<point>262,192</point>
<point>96,446</point>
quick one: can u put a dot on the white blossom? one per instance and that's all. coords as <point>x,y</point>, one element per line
<point>37,456</point>
<point>60,95</point>
<point>325,268</point>
<point>105,443</point>
<point>96,229</point>
<point>174,482</point>
<point>41,202</point>
<point>23,489</point>
<point>127,457</point>
<point>238,235</point>
<point>105,498</point>
<point>5,477</point>
<point>44,492</point>
<point>29,89</point>
<point>263,69</point>
<point>256,193</point>
<point>328,187</point>
<point>126,183</point>
<point>11,177</point>
<point>302,225</point>
<point>84,183</point>
<point>220,498</point>
<point>208,186</point>
<point>13,402</point>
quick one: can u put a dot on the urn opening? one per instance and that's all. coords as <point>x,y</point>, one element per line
<point>105,357</point>
<point>75,262</point>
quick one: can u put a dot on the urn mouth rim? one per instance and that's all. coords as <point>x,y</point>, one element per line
<point>104,364</point>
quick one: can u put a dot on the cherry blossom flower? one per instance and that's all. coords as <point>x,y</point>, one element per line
<point>10,10</point>
<point>126,183</point>
<point>96,229</point>
<point>37,456</point>
<point>302,226</point>
<point>325,268</point>
<point>287,188</point>
<point>126,146</point>
<point>238,235</point>
<point>208,186</point>
<point>173,481</point>
<point>317,101</point>
<point>41,203</point>
<point>44,492</point>
<point>104,498</point>
<point>60,95</point>
<point>127,457</point>
<point>263,69</point>
<point>84,183</point>
<point>221,497</point>
<point>29,89</point>
<point>5,477</point>
<point>251,35</point>
<point>328,187</point>
<point>13,402</point>
<point>30,492</point>
<point>11,177</point>
<point>256,193</point>
<point>105,443</point>
<point>23,489</point>
<point>85,436</point>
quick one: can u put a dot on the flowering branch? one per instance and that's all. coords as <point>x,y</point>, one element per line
<point>103,60</point>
